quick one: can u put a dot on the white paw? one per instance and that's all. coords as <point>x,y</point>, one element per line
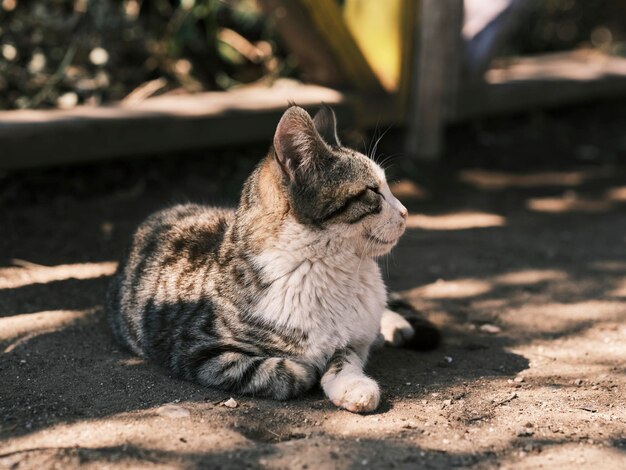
<point>395,328</point>
<point>355,393</point>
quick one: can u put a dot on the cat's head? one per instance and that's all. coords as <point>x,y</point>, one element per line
<point>333,188</point>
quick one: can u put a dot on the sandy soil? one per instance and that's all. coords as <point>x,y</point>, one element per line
<point>525,272</point>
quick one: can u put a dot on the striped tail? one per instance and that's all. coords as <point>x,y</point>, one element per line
<point>233,369</point>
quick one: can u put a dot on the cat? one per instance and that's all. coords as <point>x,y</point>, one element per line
<point>280,294</point>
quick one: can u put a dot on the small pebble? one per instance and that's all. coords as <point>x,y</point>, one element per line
<point>590,408</point>
<point>578,382</point>
<point>489,328</point>
<point>518,379</point>
<point>230,403</point>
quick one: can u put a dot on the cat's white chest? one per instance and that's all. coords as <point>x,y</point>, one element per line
<point>336,302</point>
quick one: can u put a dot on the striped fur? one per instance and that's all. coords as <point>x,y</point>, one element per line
<point>284,291</point>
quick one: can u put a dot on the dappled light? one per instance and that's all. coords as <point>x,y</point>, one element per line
<point>532,318</point>
<point>498,180</point>
<point>455,289</point>
<point>530,276</point>
<point>455,221</point>
<point>36,323</point>
<point>568,455</point>
<point>583,67</point>
<point>30,273</point>
<point>131,361</point>
<point>114,431</point>
<point>502,339</point>
<point>616,194</point>
<point>207,105</point>
<point>609,266</point>
<point>568,203</point>
<point>620,289</point>
<point>556,317</point>
<point>529,337</point>
<point>407,190</point>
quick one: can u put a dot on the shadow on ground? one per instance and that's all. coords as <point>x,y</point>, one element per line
<point>525,273</point>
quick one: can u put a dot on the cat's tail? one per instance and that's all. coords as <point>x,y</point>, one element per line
<point>231,368</point>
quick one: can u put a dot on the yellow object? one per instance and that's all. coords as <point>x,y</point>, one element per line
<point>327,17</point>
<point>377,26</point>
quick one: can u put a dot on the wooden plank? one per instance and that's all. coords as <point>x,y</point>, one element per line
<point>158,125</point>
<point>549,80</point>
<point>435,76</point>
<point>409,24</point>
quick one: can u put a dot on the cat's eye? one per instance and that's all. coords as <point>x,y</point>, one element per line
<point>375,189</point>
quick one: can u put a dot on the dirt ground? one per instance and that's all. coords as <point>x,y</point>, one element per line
<point>515,250</point>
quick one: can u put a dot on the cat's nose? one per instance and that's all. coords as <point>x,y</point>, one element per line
<point>400,207</point>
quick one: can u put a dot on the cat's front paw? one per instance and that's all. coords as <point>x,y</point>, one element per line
<point>358,394</point>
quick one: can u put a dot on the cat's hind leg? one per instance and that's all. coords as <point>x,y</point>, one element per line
<point>403,326</point>
<point>347,386</point>
<point>395,329</point>
<point>230,368</point>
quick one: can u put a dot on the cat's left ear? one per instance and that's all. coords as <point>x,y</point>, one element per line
<point>326,124</point>
<point>297,143</point>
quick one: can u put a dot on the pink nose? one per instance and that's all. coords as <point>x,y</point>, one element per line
<point>404,213</point>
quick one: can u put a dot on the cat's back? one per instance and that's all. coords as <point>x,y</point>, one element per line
<point>171,247</point>
<point>186,233</point>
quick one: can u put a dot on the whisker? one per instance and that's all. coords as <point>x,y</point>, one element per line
<point>369,148</point>
<point>391,157</point>
<point>375,149</point>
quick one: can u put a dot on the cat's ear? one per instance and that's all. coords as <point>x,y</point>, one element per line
<point>326,124</point>
<point>296,142</point>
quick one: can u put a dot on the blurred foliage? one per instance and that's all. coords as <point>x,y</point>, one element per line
<point>60,53</point>
<point>559,25</point>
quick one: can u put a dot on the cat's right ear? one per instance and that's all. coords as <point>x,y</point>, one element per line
<point>326,124</point>
<point>297,142</point>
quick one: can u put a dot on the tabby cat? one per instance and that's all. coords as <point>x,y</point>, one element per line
<point>279,294</point>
